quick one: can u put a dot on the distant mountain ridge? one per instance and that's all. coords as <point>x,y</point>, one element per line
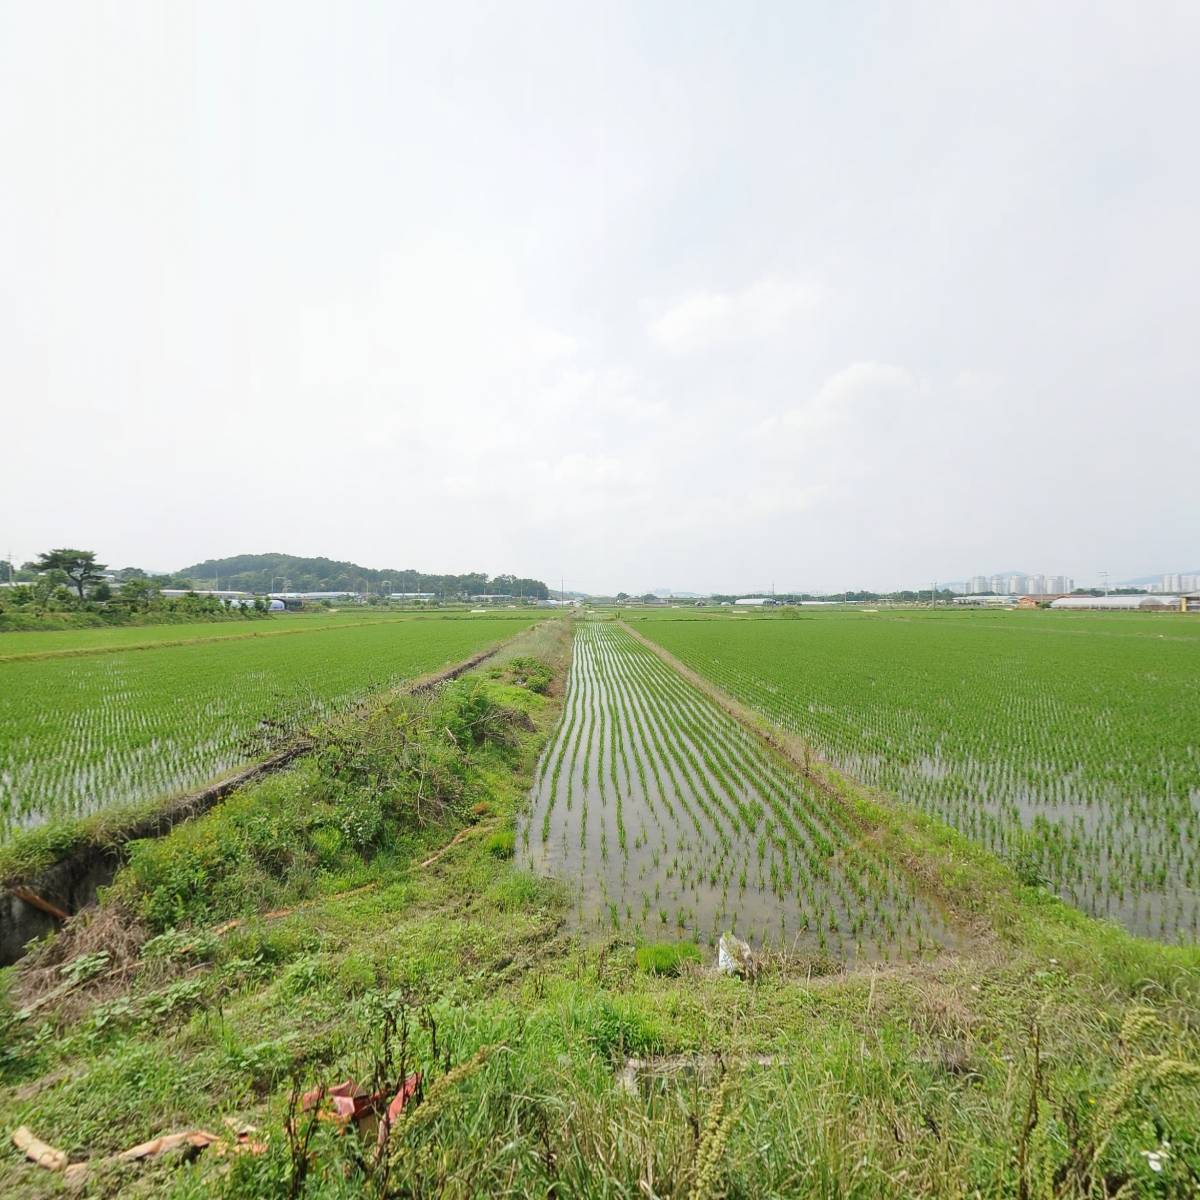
<point>290,572</point>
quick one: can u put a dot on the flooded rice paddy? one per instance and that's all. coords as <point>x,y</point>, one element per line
<point>1071,749</point>
<point>666,819</point>
<point>83,734</point>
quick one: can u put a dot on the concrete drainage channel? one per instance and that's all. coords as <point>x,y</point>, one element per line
<point>32,907</point>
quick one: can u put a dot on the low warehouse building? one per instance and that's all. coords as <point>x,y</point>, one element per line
<point>1120,603</point>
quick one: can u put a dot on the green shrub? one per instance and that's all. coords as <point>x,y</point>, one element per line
<point>521,890</point>
<point>666,958</point>
<point>329,844</point>
<point>246,853</point>
<point>373,781</point>
<point>361,820</point>
<point>617,1031</point>
<point>502,843</point>
<point>356,974</point>
<point>529,672</point>
<point>303,975</point>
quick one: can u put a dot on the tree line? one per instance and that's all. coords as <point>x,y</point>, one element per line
<point>288,572</point>
<point>69,587</point>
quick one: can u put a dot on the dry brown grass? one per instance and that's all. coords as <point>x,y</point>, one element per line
<point>111,930</point>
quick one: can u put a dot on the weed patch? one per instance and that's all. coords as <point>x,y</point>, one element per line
<point>666,958</point>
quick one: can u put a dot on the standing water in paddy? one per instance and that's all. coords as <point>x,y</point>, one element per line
<point>1069,747</point>
<point>666,818</point>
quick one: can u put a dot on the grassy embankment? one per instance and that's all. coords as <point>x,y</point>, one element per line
<point>1054,1057</point>
<point>104,745</point>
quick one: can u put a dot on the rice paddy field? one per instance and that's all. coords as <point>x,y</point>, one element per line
<point>1069,744</point>
<point>49,643</point>
<point>667,819</point>
<point>361,916</point>
<point>88,721</point>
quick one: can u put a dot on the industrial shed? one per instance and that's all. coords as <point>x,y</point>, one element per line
<point>1120,603</point>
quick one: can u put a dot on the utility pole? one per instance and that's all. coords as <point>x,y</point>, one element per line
<point>1104,576</point>
<point>933,595</point>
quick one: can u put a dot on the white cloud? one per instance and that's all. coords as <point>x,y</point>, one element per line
<point>845,396</point>
<point>706,319</point>
<point>262,266</point>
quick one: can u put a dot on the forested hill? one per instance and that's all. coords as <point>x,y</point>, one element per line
<point>280,572</point>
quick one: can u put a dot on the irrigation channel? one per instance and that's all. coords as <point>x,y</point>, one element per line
<point>669,820</point>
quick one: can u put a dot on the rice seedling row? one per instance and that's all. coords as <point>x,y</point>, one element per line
<point>1071,749</point>
<point>82,734</point>
<point>666,818</point>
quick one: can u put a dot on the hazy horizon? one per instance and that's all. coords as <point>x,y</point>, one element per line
<point>633,296</point>
<point>664,590</point>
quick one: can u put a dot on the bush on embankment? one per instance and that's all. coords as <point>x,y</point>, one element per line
<point>368,795</point>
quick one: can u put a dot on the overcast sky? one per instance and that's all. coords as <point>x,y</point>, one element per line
<point>653,294</point>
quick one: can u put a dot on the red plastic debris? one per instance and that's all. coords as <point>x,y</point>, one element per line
<point>348,1102</point>
<point>408,1089</point>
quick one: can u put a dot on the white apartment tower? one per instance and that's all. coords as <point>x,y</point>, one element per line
<point>1037,585</point>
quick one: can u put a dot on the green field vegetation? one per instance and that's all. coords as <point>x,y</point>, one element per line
<point>1051,1057</point>
<point>664,816</point>
<point>1069,744</point>
<point>56,642</point>
<point>85,733</point>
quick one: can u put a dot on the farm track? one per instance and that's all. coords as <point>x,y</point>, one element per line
<point>667,817</point>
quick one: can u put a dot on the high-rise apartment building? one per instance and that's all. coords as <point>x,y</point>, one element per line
<point>1024,585</point>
